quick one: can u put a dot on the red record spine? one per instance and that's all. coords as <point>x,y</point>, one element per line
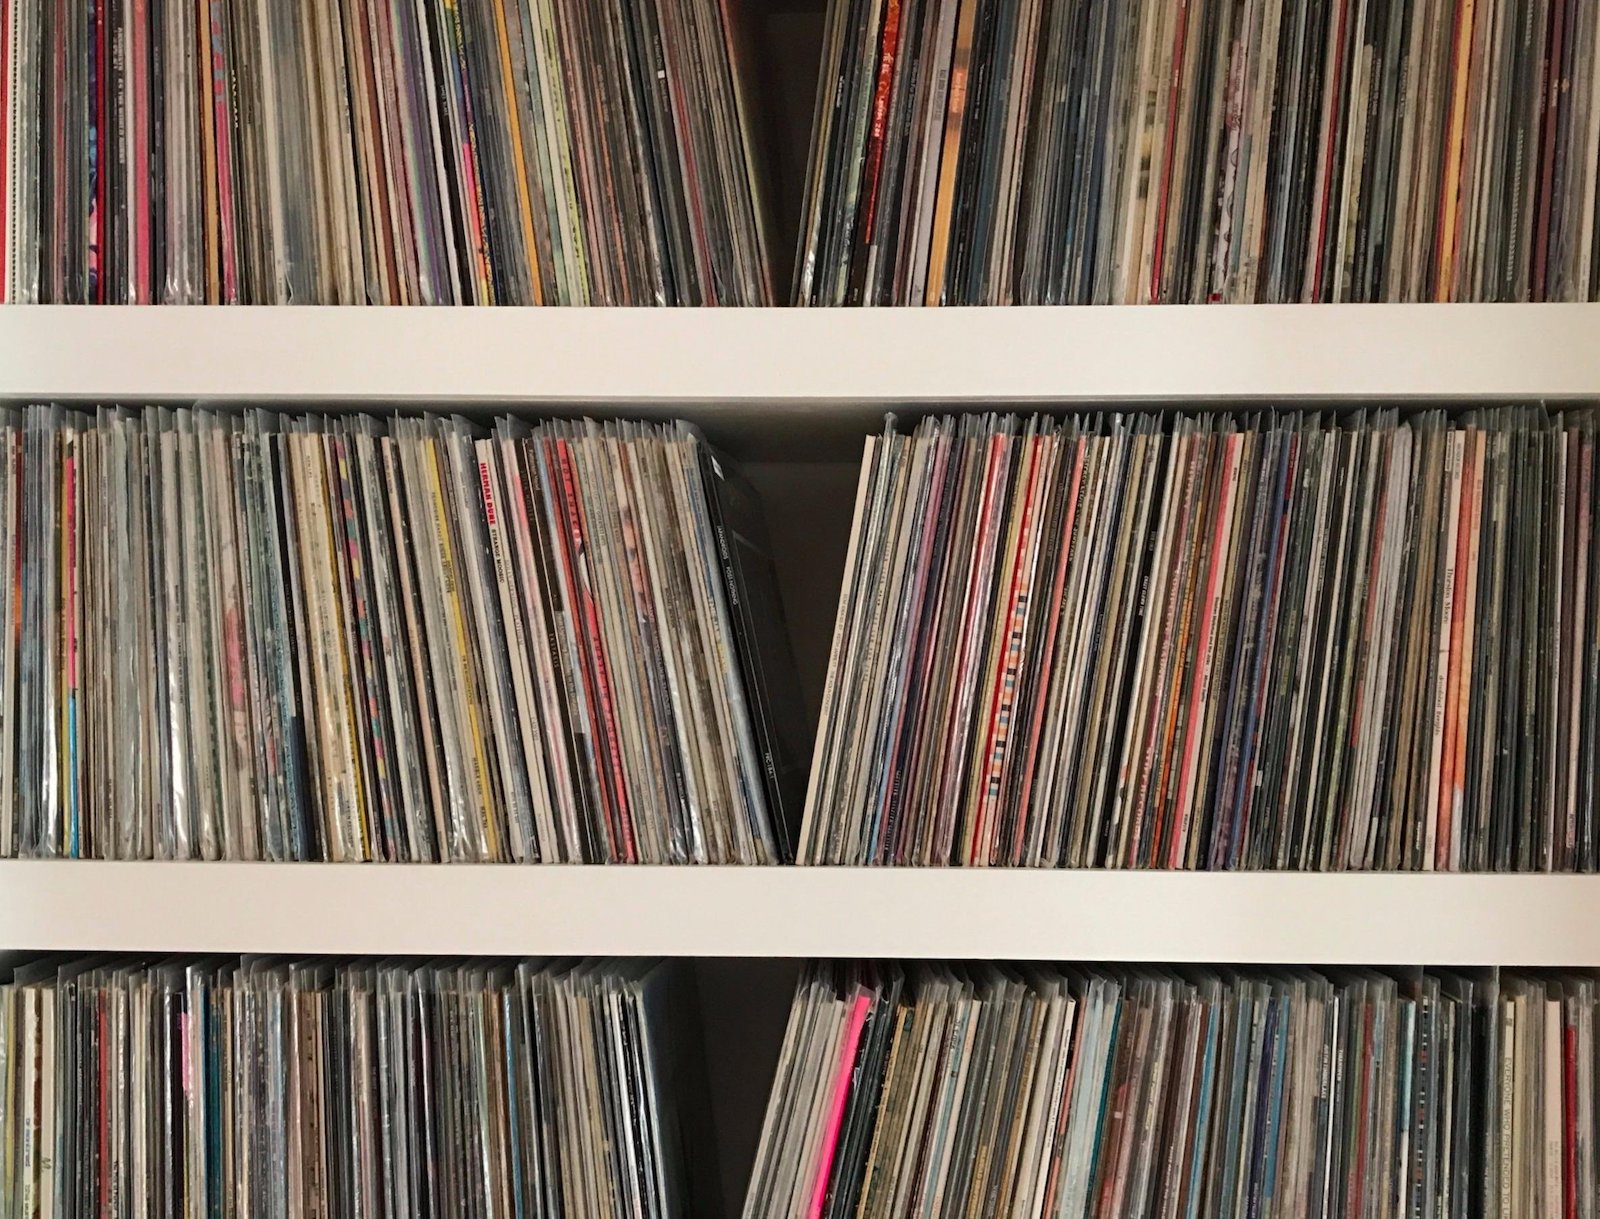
<point>218,62</point>
<point>880,116</point>
<point>1002,700</point>
<point>1206,644</point>
<point>1052,630</point>
<point>596,678</point>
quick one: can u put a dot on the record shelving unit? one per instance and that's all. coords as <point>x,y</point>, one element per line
<point>791,393</point>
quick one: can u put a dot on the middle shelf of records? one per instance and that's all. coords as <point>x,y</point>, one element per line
<point>962,913</point>
<point>1310,640</point>
<point>1305,640</point>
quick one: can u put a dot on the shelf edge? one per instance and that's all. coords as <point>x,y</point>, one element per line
<point>1374,919</point>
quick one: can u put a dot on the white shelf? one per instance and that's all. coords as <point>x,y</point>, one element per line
<point>868,356</point>
<point>804,912</point>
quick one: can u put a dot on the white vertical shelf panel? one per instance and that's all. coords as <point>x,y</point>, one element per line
<point>802,912</point>
<point>871,356</point>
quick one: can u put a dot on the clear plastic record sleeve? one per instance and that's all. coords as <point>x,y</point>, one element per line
<point>478,519</point>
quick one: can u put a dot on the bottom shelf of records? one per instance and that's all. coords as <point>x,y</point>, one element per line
<point>802,912</point>
<point>284,1086</point>
<point>298,1087</point>
<point>1030,1092</point>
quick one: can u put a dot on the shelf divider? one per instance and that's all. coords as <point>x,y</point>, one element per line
<point>1314,919</point>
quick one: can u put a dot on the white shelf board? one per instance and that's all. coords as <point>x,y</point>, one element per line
<point>802,912</point>
<point>870,356</point>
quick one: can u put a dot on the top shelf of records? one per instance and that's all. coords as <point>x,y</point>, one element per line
<point>957,152</point>
<point>810,365</point>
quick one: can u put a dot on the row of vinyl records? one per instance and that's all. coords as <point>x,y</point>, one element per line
<point>963,152</point>
<point>295,1087</point>
<point>977,152</point>
<point>1272,640</point>
<point>262,636</point>
<point>1026,1093</point>
<point>387,151</point>
<point>278,1088</point>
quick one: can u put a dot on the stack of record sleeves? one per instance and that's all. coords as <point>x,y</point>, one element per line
<point>952,1091</point>
<point>266,636</point>
<point>1271,640</point>
<point>278,1088</point>
<point>973,152</point>
<point>404,152</point>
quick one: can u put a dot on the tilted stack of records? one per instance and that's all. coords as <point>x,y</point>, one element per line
<point>262,636</point>
<point>1270,640</point>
